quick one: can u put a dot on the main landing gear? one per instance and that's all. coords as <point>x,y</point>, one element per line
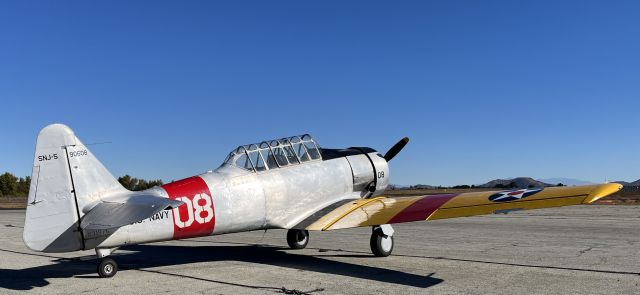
<point>381,240</point>
<point>107,267</point>
<point>297,238</point>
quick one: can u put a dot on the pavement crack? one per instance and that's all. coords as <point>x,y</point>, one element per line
<point>284,290</point>
<point>11,225</point>
<point>499,263</point>
<point>581,252</point>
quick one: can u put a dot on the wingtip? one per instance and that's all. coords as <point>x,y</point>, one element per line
<point>602,191</point>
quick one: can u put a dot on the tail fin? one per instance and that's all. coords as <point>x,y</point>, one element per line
<point>66,179</point>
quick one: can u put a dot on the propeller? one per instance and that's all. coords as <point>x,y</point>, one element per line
<point>395,149</point>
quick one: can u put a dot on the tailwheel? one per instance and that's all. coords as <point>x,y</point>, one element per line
<point>107,268</point>
<point>297,238</point>
<point>381,244</point>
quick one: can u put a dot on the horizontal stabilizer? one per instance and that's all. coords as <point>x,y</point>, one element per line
<point>114,214</point>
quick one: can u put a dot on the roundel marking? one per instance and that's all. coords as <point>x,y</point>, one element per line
<point>507,196</point>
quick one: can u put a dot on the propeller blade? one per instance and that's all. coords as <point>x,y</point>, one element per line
<point>395,149</point>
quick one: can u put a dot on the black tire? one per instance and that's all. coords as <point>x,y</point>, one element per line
<point>107,268</point>
<point>297,238</point>
<point>381,245</point>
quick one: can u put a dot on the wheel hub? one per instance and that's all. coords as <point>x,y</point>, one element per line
<point>386,243</point>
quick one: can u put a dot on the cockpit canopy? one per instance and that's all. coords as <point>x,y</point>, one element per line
<point>275,153</point>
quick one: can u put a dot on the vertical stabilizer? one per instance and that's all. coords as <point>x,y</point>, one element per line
<point>65,180</point>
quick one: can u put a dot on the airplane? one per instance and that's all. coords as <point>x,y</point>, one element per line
<point>292,183</point>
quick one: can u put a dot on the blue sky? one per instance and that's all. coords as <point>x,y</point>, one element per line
<point>484,89</point>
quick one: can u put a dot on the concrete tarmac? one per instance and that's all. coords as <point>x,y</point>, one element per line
<point>587,249</point>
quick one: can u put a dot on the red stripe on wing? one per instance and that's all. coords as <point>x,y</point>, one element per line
<point>422,208</point>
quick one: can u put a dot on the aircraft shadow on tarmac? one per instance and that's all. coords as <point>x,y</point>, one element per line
<point>144,257</point>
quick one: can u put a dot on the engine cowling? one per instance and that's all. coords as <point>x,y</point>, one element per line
<point>370,172</point>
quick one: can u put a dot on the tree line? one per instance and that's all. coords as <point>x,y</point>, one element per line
<point>12,186</point>
<point>138,184</point>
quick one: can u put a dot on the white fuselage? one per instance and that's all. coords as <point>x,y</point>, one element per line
<point>231,199</point>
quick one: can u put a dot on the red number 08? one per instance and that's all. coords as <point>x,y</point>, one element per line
<point>194,210</point>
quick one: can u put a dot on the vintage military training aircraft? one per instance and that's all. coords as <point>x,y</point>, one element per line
<point>291,183</point>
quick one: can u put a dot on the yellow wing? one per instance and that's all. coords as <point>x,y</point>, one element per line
<point>382,210</point>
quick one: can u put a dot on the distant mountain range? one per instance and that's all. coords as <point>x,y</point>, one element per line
<point>566,181</point>
<point>624,183</point>
<point>524,182</point>
<point>518,182</point>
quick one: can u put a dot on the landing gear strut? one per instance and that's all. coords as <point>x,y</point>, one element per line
<point>107,268</point>
<point>297,238</point>
<point>382,240</point>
